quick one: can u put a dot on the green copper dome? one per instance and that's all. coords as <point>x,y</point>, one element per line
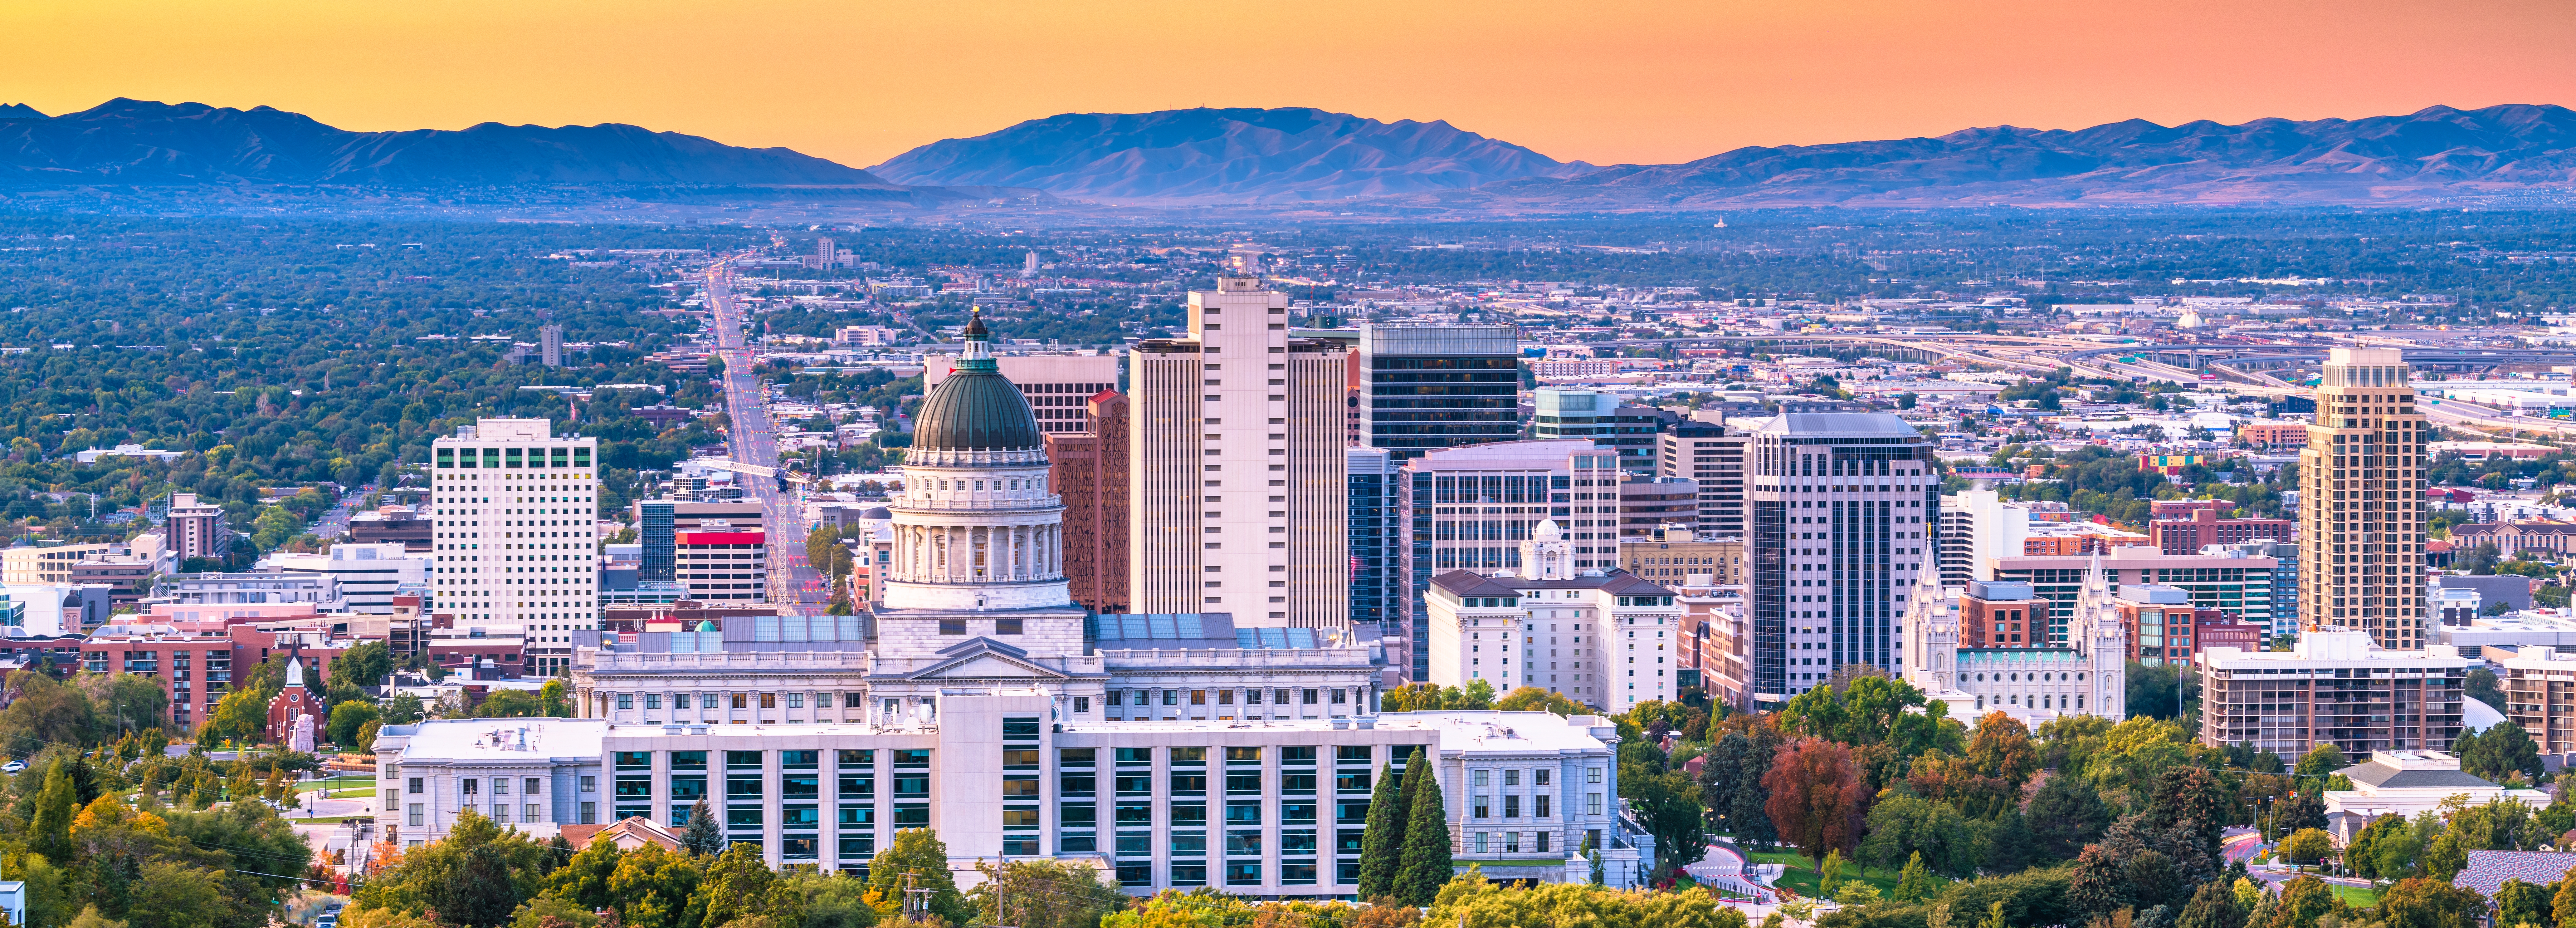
<point>976,408</point>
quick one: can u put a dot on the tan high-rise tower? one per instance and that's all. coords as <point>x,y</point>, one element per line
<point>1237,472</point>
<point>2361,501</point>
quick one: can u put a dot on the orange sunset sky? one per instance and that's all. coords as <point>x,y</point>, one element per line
<point>1606,82</point>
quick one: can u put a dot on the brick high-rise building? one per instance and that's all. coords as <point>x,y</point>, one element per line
<point>1706,452</point>
<point>2361,501</point>
<point>1089,471</point>
<point>196,530</point>
<point>2204,528</point>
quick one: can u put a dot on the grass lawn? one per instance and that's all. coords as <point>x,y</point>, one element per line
<point>1802,877</point>
<point>337,783</point>
<point>2360,897</point>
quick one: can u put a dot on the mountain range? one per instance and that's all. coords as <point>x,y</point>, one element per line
<point>1297,160</point>
<point>2434,153</point>
<point>1242,155</point>
<point>141,142</point>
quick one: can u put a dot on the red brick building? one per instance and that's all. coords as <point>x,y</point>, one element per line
<point>2211,628</point>
<point>198,660</point>
<point>291,703</point>
<point>2183,508</point>
<point>1089,470</point>
<point>2002,614</point>
<point>2204,528</point>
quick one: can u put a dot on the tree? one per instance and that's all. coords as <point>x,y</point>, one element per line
<point>1537,699</point>
<point>1817,796</point>
<point>1426,865</point>
<point>919,854</point>
<point>2482,684</point>
<point>2428,903</point>
<point>347,718</point>
<point>1041,894</point>
<point>2302,902</point>
<point>2001,747</point>
<point>46,713</point>
<point>2319,762</point>
<point>2300,809</point>
<point>700,836</point>
<point>1382,842</point>
<point>739,888</point>
<point>364,664</point>
<point>2498,753</point>
<point>2154,691</point>
<point>1913,884</point>
<point>2519,903</point>
<point>2309,846</point>
<point>2066,815</point>
<point>50,833</point>
<point>2214,905</point>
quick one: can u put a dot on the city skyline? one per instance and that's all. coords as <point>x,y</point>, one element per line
<point>1813,74</point>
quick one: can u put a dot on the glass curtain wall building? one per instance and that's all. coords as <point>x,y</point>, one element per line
<point>1423,388</point>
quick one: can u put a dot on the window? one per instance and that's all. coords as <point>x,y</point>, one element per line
<point>590,784</point>
<point>952,626</point>
<point>769,700</point>
<point>414,814</point>
<point>1592,803</point>
<point>413,786</point>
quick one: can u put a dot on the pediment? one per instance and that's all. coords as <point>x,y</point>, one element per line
<point>992,660</point>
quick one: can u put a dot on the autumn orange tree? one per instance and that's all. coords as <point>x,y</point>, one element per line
<point>1818,797</point>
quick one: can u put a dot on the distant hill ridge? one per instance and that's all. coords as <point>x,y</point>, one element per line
<point>2435,151</point>
<point>138,141</point>
<point>1290,154</point>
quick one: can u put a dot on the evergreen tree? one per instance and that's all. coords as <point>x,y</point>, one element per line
<point>1592,855</point>
<point>1383,841</point>
<point>51,832</point>
<point>1914,884</point>
<point>1426,864</point>
<point>2213,906</point>
<point>700,837</point>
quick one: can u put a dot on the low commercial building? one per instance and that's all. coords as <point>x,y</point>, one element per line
<point>2333,687</point>
<point>2410,784</point>
<point>1673,554</point>
<point>369,574</point>
<point>2499,637</point>
<point>1273,810</point>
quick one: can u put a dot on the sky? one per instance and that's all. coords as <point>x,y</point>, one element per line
<point>1639,81</point>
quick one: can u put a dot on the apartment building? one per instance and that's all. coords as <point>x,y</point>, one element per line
<point>2361,501</point>
<point>2204,528</point>
<point>2334,687</point>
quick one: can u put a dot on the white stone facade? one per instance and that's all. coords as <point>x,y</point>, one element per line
<point>2033,684</point>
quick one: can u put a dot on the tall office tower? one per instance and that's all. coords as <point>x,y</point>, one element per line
<point>1235,443</point>
<point>1989,528</point>
<point>1469,509</point>
<point>1707,453</point>
<point>1845,509</point>
<point>1377,536</point>
<point>2361,501</point>
<point>654,528</point>
<point>1958,545</point>
<point>1423,388</point>
<point>1029,267</point>
<point>1089,470</point>
<point>550,345</point>
<point>1059,386</point>
<point>517,511</point>
<point>825,252</point>
<point>1562,412</point>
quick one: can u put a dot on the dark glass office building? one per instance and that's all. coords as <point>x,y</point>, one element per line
<point>1377,529</point>
<point>1422,388</point>
<point>655,532</point>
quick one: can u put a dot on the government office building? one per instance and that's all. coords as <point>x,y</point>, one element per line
<point>1173,750</point>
